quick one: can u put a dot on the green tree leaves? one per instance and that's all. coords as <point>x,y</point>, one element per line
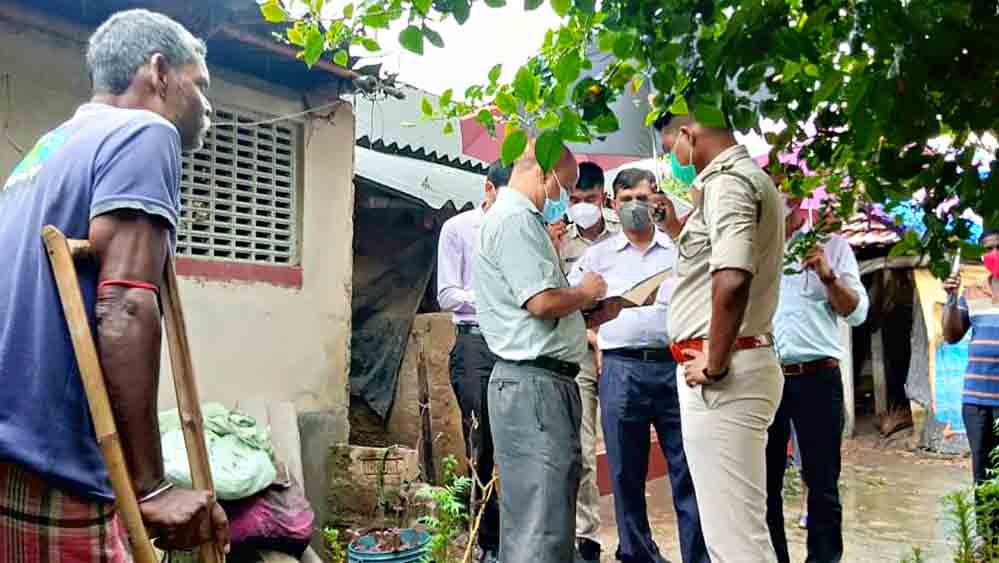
<point>568,68</point>
<point>412,39</point>
<point>495,72</point>
<point>513,146</point>
<point>315,44</point>
<point>526,85</point>
<point>548,149</point>
<point>273,11</point>
<point>432,36</point>
<point>709,115</point>
<point>506,103</point>
<point>869,82</point>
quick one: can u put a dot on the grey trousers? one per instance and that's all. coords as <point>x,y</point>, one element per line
<point>535,417</point>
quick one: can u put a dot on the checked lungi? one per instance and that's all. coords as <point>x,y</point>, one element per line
<point>41,524</point>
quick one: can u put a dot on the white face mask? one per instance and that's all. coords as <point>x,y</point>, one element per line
<point>585,214</point>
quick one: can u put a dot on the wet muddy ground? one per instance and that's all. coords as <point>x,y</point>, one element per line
<point>891,503</point>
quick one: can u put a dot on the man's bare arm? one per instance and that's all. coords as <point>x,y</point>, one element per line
<point>954,327</point>
<point>729,298</point>
<point>132,246</point>
<point>557,303</point>
<point>843,299</point>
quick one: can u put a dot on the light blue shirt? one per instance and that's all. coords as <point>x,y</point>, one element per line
<point>514,261</point>
<point>806,326</point>
<point>623,265</point>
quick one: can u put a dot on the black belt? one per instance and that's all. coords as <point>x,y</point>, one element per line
<point>469,329</point>
<point>807,368</point>
<point>566,369</point>
<point>644,354</point>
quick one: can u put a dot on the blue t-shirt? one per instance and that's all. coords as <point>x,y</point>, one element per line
<point>103,159</point>
<point>981,378</point>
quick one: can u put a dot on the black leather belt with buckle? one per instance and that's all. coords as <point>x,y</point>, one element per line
<point>643,354</point>
<point>566,369</point>
<point>469,329</point>
<point>809,367</point>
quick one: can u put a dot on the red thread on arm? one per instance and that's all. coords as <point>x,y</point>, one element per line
<point>129,283</point>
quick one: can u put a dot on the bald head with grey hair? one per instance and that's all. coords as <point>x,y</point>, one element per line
<point>127,41</point>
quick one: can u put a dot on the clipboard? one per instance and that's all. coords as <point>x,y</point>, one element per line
<point>642,294</point>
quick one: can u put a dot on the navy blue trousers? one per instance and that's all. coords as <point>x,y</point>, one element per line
<point>635,395</point>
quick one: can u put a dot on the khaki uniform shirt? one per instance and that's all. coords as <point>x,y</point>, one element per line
<point>574,245</point>
<point>738,224</point>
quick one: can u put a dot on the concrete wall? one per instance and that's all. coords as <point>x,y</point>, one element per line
<point>250,339</point>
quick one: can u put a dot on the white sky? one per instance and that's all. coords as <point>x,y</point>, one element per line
<point>507,35</point>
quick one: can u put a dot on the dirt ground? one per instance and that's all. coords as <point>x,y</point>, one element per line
<point>891,503</point>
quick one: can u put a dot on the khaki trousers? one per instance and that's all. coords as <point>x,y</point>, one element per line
<point>725,436</point>
<point>588,503</point>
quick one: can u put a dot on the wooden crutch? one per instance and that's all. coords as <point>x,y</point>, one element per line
<point>61,253</point>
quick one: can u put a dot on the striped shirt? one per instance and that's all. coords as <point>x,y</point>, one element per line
<point>981,379</point>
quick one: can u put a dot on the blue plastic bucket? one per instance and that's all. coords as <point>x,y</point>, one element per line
<point>356,552</point>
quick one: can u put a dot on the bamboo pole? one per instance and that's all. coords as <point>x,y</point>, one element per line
<point>96,391</point>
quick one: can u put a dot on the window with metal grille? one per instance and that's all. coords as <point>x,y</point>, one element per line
<point>239,192</point>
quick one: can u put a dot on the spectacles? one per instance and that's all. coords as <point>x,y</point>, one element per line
<point>557,181</point>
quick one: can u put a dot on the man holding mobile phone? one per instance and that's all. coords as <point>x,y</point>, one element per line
<point>976,310</point>
<point>638,384</point>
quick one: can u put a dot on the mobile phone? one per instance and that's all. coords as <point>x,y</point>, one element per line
<point>658,214</point>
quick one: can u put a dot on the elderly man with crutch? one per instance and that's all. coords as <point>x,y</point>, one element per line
<point>110,174</point>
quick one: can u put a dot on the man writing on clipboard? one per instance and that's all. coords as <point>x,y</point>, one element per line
<point>638,379</point>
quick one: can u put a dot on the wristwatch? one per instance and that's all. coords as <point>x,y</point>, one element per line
<point>830,279</point>
<point>715,378</point>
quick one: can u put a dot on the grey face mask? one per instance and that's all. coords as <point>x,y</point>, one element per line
<point>635,215</point>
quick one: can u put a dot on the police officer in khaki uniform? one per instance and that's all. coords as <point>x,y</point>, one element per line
<point>591,223</point>
<point>730,254</point>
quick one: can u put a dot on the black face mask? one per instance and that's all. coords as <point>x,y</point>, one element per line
<point>635,215</point>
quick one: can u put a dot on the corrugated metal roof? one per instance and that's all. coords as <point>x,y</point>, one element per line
<point>398,127</point>
<point>432,183</point>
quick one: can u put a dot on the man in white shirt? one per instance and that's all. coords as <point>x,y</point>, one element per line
<point>470,361</point>
<point>638,381</point>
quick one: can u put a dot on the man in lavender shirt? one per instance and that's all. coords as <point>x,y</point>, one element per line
<point>471,362</point>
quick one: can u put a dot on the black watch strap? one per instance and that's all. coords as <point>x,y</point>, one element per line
<point>715,378</point>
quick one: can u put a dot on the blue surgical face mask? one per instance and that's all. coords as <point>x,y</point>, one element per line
<point>555,210</point>
<point>684,173</point>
